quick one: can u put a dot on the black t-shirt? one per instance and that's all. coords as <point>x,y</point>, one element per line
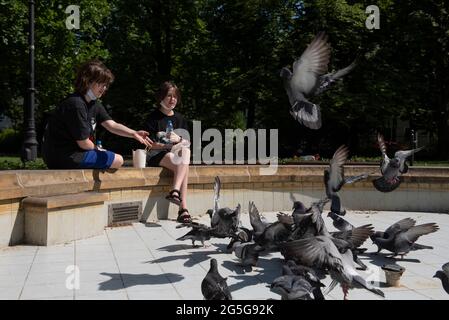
<point>157,121</point>
<point>73,119</point>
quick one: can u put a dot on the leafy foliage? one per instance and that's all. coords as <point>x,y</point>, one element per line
<point>226,56</point>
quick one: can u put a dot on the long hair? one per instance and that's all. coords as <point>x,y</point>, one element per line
<point>93,71</point>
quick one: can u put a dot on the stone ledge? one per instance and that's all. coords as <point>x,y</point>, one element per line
<point>37,183</point>
<point>62,201</point>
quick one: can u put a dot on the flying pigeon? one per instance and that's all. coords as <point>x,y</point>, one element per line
<point>214,286</point>
<point>392,169</point>
<point>400,237</point>
<point>443,275</point>
<point>308,78</point>
<point>334,179</point>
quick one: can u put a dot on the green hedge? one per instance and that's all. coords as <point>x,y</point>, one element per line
<point>10,141</point>
<point>14,163</point>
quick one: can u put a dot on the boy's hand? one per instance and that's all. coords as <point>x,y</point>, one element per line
<point>142,137</point>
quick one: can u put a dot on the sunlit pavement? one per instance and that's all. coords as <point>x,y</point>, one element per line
<point>145,261</point>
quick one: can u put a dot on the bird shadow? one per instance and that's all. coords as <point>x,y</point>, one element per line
<point>130,280</point>
<point>192,258</point>
<point>246,281</point>
<point>173,248</point>
<point>266,268</point>
<point>222,247</point>
<point>380,259</point>
<point>236,267</point>
<point>152,225</point>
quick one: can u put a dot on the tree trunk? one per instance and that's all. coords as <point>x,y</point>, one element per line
<point>161,35</point>
<point>251,111</point>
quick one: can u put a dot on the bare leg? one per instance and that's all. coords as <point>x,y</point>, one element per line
<point>118,162</point>
<point>179,165</point>
<point>185,181</point>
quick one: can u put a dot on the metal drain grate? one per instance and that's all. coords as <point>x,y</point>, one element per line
<point>124,213</point>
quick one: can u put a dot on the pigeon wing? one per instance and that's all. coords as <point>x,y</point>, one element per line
<point>402,155</point>
<point>400,226</point>
<point>383,149</point>
<point>217,187</point>
<point>445,268</point>
<point>312,63</point>
<point>415,232</point>
<point>359,235</point>
<point>336,171</point>
<point>354,179</point>
<point>254,217</point>
<point>315,251</point>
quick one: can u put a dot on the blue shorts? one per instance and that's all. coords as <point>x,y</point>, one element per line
<point>96,159</point>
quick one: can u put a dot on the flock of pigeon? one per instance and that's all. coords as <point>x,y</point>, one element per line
<point>309,249</point>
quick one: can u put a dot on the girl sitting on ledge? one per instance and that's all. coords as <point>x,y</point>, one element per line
<point>170,150</point>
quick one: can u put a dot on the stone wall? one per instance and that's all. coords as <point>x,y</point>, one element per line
<point>424,189</point>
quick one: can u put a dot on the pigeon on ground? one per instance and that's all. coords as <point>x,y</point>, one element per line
<point>443,275</point>
<point>242,235</point>
<point>225,221</point>
<point>291,286</point>
<point>312,276</point>
<point>248,253</point>
<point>392,169</point>
<point>214,286</point>
<point>267,236</point>
<point>308,78</point>
<point>334,179</point>
<point>400,237</point>
<point>310,223</point>
<point>199,232</point>
<point>321,252</point>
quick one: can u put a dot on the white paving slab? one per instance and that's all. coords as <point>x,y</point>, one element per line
<point>144,261</point>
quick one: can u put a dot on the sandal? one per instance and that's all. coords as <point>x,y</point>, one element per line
<point>174,196</point>
<point>184,216</point>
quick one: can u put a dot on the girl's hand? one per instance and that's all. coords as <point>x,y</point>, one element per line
<point>173,137</point>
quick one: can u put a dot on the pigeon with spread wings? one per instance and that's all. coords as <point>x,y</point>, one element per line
<point>334,179</point>
<point>308,78</point>
<point>321,252</point>
<point>392,169</point>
